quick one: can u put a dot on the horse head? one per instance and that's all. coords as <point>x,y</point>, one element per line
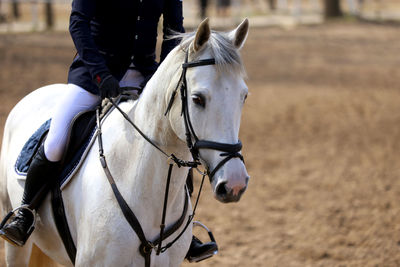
<point>215,94</point>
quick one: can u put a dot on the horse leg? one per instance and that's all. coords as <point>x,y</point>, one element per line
<point>18,256</point>
<point>38,258</point>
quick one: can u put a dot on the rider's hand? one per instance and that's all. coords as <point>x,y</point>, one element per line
<point>108,86</point>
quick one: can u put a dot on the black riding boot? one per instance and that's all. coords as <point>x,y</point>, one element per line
<point>199,251</point>
<point>38,181</point>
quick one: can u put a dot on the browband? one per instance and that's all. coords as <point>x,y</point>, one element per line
<point>201,62</point>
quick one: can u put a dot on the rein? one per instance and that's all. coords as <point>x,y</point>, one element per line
<point>230,151</point>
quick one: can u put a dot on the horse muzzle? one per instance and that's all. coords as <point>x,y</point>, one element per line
<point>230,182</point>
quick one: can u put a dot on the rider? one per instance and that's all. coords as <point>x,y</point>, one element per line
<point>115,42</point>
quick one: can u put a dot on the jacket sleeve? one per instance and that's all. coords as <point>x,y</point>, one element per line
<point>173,22</point>
<point>79,27</point>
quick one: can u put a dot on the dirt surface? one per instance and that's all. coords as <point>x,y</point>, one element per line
<point>321,141</point>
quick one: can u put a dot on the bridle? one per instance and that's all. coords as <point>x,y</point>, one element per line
<point>231,150</point>
<point>194,144</point>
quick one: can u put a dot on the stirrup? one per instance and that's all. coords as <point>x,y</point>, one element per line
<point>11,213</point>
<point>212,239</point>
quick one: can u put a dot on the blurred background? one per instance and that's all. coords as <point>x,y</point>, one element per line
<point>320,129</point>
<point>39,15</point>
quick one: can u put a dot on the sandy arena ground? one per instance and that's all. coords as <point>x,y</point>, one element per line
<point>321,135</point>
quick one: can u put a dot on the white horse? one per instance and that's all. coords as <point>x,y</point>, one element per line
<point>102,236</point>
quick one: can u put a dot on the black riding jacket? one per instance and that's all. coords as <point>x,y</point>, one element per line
<point>109,35</point>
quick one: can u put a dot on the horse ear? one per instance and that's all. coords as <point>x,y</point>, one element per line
<point>238,36</point>
<point>202,35</point>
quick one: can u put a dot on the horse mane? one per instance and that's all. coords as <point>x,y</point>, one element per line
<point>227,56</point>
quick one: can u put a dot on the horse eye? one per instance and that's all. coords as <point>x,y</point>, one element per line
<point>245,97</point>
<point>199,100</point>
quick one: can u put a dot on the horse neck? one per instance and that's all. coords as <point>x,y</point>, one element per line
<point>152,105</point>
<point>146,170</point>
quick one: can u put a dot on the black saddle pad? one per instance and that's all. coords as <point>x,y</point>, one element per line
<point>82,131</point>
<point>31,146</point>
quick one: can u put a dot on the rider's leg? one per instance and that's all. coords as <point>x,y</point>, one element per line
<point>74,101</point>
<point>199,251</point>
<point>45,163</point>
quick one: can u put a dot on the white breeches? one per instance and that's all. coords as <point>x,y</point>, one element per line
<point>75,100</point>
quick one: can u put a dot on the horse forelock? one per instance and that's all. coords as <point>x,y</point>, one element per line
<point>221,48</point>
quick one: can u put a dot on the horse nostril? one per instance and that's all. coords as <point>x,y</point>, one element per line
<point>221,189</point>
